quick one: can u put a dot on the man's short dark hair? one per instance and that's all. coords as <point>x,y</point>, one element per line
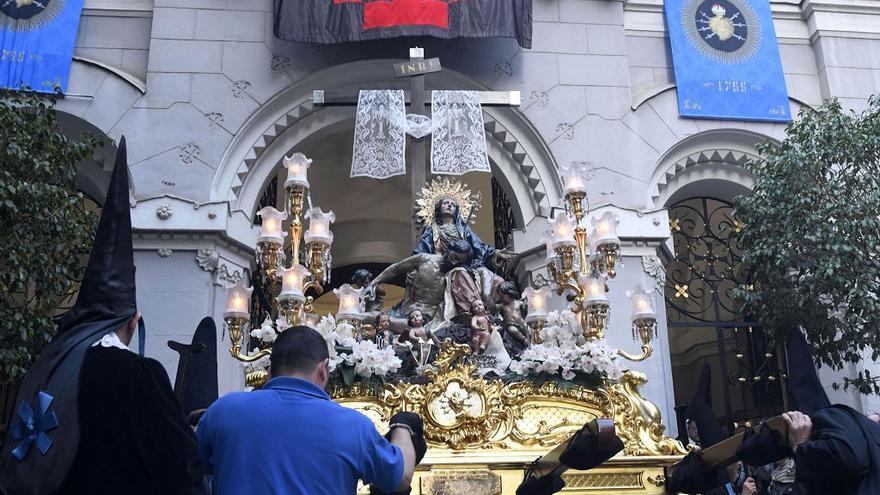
<point>297,350</point>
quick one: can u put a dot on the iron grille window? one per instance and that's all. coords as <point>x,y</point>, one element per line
<point>503,213</point>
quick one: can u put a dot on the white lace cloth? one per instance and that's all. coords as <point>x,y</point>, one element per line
<point>111,340</point>
<point>458,142</point>
<point>379,135</point>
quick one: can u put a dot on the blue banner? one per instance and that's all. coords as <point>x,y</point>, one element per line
<point>726,60</point>
<point>36,42</point>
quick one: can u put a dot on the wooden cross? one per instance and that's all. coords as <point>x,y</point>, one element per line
<point>417,98</point>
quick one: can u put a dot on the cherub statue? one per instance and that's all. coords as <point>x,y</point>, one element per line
<point>416,331</point>
<point>481,333</point>
<point>374,295</point>
<point>485,341</point>
<point>516,332</point>
<point>383,329</point>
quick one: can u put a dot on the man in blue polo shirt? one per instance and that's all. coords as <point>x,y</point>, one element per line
<point>290,438</point>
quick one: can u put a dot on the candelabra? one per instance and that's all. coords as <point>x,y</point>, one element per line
<point>286,283</point>
<point>581,264</point>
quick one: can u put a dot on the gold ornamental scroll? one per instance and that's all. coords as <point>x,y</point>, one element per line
<point>483,434</point>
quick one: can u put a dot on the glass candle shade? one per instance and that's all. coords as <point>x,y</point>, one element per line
<point>238,301</point>
<point>606,229</point>
<point>561,232</point>
<point>644,306</point>
<point>319,226</point>
<point>574,178</point>
<point>537,302</point>
<point>594,289</point>
<point>292,280</point>
<point>297,166</point>
<point>349,303</point>
<point>271,230</point>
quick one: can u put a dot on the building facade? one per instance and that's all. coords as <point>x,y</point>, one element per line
<point>210,101</point>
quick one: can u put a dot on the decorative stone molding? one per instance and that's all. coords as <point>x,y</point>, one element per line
<point>654,267</point>
<point>164,211</point>
<point>225,276</point>
<point>164,252</point>
<point>207,259</point>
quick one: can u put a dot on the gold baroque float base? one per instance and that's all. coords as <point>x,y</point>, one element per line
<point>482,435</point>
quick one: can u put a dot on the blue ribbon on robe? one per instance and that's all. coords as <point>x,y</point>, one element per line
<point>31,425</point>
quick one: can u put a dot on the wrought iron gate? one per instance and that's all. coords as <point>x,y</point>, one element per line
<point>705,322</point>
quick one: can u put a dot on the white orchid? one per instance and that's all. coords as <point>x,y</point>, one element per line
<point>568,359</point>
<point>266,332</point>
<point>369,360</point>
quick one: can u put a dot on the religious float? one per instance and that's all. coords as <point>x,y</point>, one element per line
<point>498,379</point>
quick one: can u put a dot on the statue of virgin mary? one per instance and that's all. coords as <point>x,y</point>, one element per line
<point>446,228</point>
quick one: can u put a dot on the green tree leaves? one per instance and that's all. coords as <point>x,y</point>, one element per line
<point>46,229</point>
<point>812,234</point>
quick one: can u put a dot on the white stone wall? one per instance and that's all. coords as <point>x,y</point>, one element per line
<point>201,89</point>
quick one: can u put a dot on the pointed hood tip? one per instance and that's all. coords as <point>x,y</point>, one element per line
<point>805,391</point>
<point>700,410</point>
<point>107,290</point>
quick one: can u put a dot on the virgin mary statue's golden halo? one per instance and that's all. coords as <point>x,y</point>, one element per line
<point>443,187</point>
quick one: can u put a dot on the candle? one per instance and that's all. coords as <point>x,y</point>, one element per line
<point>270,230</point>
<point>319,226</point>
<point>594,289</point>
<point>537,302</point>
<point>238,298</point>
<point>292,283</point>
<point>561,232</point>
<point>574,178</point>
<point>349,303</point>
<point>606,228</point>
<point>643,303</point>
<point>297,170</point>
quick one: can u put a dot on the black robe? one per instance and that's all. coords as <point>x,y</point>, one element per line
<point>134,438</point>
<point>842,456</point>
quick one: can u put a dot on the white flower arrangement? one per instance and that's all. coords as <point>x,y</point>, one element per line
<point>266,333</point>
<point>369,360</point>
<point>565,352</point>
<point>366,359</point>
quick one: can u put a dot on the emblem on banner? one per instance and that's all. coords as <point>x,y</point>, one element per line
<point>726,31</point>
<point>28,15</point>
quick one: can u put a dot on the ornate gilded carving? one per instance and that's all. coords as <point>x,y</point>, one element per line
<point>639,421</point>
<point>465,412</point>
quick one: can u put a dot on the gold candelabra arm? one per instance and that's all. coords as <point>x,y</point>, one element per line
<point>236,330</point>
<point>271,257</point>
<point>646,353</point>
<point>536,326</point>
<point>314,284</point>
<point>295,196</point>
<point>644,329</point>
<point>606,259</point>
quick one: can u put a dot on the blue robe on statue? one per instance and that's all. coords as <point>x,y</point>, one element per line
<point>434,241</point>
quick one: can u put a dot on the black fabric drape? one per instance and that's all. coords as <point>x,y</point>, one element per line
<point>134,438</point>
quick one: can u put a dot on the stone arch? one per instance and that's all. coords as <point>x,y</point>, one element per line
<point>708,160</point>
<point>521,160</point>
